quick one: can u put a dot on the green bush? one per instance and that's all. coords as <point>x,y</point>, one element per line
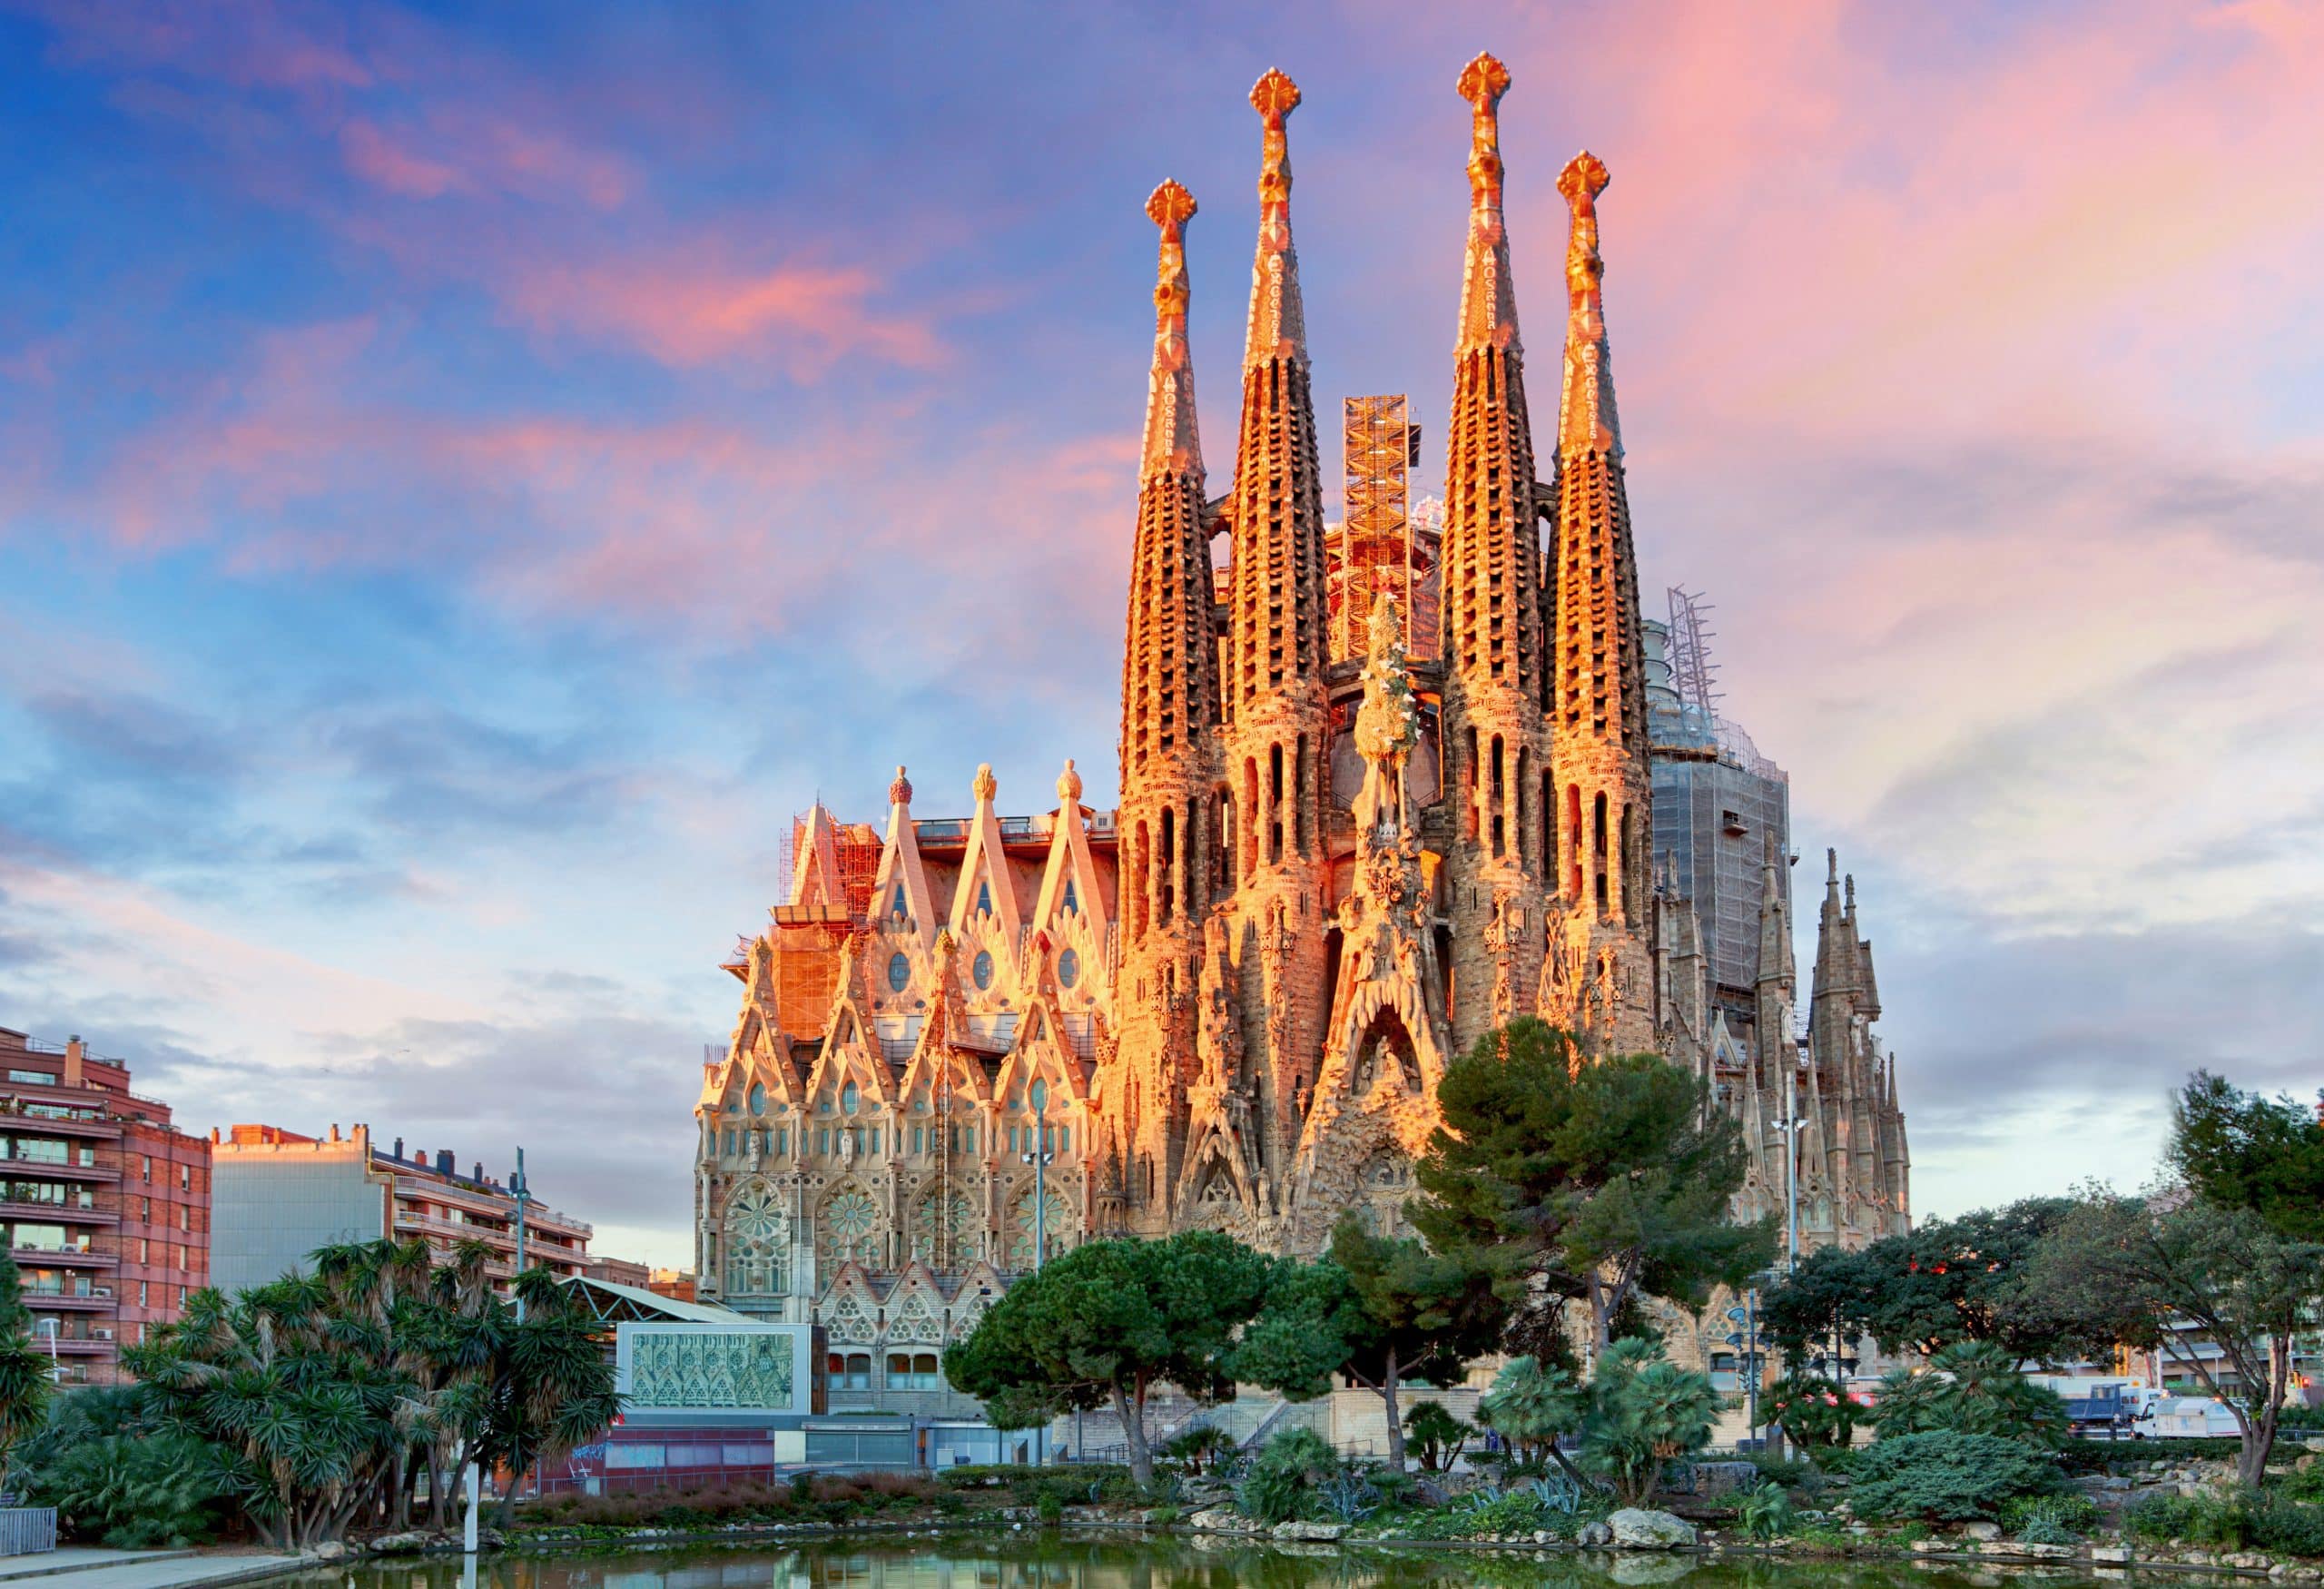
<point>1790,1472</point>
<point>150,1492</point>
<point>1972,1387</point>
<point>1948,1477</point>
<point>2286,1527</point>
<point>1814,1411</point>
<point>2068,1512</point>
<point>2230,1520</point>
<point>1766,1512</point>
<point>2115,1455</point>
<point>1281,1480</point>
<point>1050,1507</point>
<point>1645,1412</point>
<point>2304,1484</point>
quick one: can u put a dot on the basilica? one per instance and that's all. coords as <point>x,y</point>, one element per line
<point>1352,838</point>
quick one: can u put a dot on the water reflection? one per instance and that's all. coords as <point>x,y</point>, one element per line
<point>972,1561</point>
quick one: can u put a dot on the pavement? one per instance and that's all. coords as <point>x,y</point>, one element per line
<point>87,1568</point>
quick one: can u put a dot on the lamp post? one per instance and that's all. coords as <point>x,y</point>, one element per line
<point>523,1195</point>
<point>1039,1199</point>
<point>1790,1126</point>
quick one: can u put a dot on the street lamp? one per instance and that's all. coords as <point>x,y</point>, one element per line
<point>55,1366</point>
<point>1039,1159</point>
<point>1789,1124</point>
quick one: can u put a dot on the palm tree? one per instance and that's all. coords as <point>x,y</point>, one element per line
<point>26,1377</point>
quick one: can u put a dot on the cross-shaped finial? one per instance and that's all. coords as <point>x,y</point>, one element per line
<point>1275,96</point>
<point>1170,206</point>
<point>1484,81</point>
<point>1584,179</point>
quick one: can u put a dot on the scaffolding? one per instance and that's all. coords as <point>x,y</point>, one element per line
<point>1376,551</point>
<point>1692,673</point>
<point>848,855</point>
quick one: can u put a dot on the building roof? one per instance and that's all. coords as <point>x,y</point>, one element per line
<point>614,1304</point>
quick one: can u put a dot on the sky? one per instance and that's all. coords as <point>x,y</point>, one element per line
<point>469,475</point>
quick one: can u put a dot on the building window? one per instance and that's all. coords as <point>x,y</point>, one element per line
<point>781,1140</point>
<point>1068,963</point>
<point>758,1098</point>
<point>850,1097</point>
<point>1072,903</point>
<point>850,1371</point>
<point>186,1177</point>
<point>823,1138</point>
<point>981,968</point>
<point>902,907</point>
<point>144,1250</point>
<point>145,1168</point>
<point>984,899</point>
<point>141,1294</point>
<point>913,1371</point>
<point>899,971</point>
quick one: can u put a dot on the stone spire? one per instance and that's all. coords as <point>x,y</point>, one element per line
<point>1775,984</point>
<point>1495,749</point>
<point>1279,717</point>
<point>1169,668</point>
<point>1172,444</point>
<point>1168,819</point>
<point>1586,418</point>
<point>1595,692</point>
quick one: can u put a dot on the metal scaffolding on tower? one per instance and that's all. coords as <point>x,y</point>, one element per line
<point>1692,672</point>
<point>1376,551</point>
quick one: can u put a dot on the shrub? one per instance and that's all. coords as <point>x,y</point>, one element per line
<point>1766,1512</point>
<point>1436,1436</point>
<point>1973,1387</point>
<point>150,1492</point>
<point>2066,1511</point>
<point>1644,1411</point>
<point>2288,1528</point>
<point>1050,1507</point>
<point>1198,1448</point>
<point>1348,1495</point>
<point>1280,1481</point>
<point>2230,1520</point>
<point>2304,1484</point>
<point>1948,1477</point>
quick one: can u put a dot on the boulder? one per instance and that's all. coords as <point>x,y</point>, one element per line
<point>1637,1528</point>
<point>1220,1520</point>
<point>418,1539</point>
<point>2111,1555</point>
<point>1594,1536</point>
<point>1319,1532</point>
<point>331,1550</point>
<point>1981,1530</point>
<point>2045,1552</point>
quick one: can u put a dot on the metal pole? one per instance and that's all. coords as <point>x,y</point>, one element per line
<point>517,1190</point>
<point>1751,1359</point>
<point>1791,1164</point>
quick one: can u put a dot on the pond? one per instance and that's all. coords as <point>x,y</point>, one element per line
<point>1071,1561</point>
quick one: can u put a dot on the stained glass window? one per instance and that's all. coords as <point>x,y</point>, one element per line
<point>983,968</point>
<point>1068,968</point>
<point>899,971</point>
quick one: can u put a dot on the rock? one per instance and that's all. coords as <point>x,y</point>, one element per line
<point>331,1550</point>
<point>2118,1556</point>
<point>2114,1481</point>
<point>1981,1530</point>
<point>1636,1571</point>
<point>1594,1536</point>
<point>1321,1532</point>
<point>1636,1528</point>
<point>1429,1493</point>
<point>1220,1520</point>
<point>2045,1552</point>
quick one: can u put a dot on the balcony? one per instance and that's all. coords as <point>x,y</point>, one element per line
<point>97,1300</point>
<point>58,1213</point>
<point>66,1257</point>
<point>41,1125</point>
<point>49,1169</point>
<point>497,1206</point>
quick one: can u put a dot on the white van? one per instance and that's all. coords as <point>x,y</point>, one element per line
<point>2187,1417</point>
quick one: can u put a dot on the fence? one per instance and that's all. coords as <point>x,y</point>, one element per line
<point>27,1531</point>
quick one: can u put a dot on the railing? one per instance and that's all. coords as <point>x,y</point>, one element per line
<point>27,1531</point>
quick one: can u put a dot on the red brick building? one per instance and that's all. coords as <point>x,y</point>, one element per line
<point>105,1204</point>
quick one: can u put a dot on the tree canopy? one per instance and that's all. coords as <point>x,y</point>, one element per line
<point>1585,1180</point>
<point>1952,1280</point>
<point>2241,1150</point>
<point>1378,1310</point>
<point>25,1382</point>
<point>1104,1324</point>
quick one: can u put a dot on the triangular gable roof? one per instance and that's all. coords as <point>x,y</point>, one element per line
<point>899,865</point>
<point>985,876</point>
<point>1070,860</point>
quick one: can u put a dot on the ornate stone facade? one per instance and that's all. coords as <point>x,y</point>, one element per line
<point>1228,1004</point>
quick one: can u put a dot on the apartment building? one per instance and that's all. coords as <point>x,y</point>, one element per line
<point>280,1195</point>
<point>106,1204</point>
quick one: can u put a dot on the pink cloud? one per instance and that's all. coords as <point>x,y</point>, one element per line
<point>688,312</point>
<point>371,155</point>
<point>248,43</point>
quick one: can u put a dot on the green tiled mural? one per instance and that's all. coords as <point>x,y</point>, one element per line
<point>680,1369</point>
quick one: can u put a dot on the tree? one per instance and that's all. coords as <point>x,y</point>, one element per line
<point>1532,1406</point>
<point>2163,1264</point>
<point>1582,1181</point>
<point>1963,1279</point>
<point>1438,1435</point>
<point>2241,1150</point>
<point>1644,1411</point>
<point>25,1384</point>
<point>1812,1411</point>
<point>321,1389</point>
<point>1377,1311</point>
<point>1972,1387</point>
<point>1105,1323</point>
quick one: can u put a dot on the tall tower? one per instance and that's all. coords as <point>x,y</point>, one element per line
<point>1598,973</point>
<point>1278,719</point>
<point>1494,747</point>
<point>1168,818</point>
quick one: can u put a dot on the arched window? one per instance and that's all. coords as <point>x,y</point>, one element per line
<point>984,899</point>
<point>758,1099</point>
<point>899,971</point>
<point>850,1097</point>
<point>1039,1094</point>
<point>1072,901</point>
<point>1068,968</point>
<point>902,907</point>
<point>981,968</point>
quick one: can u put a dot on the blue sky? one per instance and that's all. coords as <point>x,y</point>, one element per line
<point>467,475</point>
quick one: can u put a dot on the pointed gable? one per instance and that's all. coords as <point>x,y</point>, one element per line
<point>900,897</point>
<point>987,891</point>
